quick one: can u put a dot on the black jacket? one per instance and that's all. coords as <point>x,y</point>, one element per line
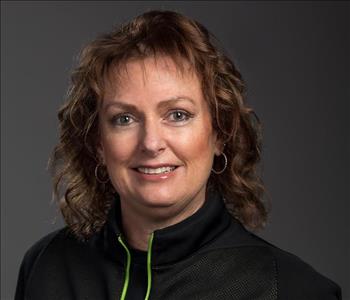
<point>207,256</point>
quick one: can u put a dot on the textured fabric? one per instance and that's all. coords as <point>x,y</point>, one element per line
<point>240,273</point>
<point>207,256</point>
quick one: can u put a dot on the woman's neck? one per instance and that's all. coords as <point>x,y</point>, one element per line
<point>139,225</point>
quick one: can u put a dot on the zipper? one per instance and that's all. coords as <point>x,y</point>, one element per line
<point>149,270</point>
<point>127,272</point>
<point>128,263</point>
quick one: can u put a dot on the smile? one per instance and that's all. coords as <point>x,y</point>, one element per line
<point>161,170</point>
<point>155,174</point>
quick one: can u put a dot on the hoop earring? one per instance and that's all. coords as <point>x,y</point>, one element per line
<point>221,171</point>
<point>96,174</point>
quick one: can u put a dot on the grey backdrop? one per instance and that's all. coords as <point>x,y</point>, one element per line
<point>295,60</point>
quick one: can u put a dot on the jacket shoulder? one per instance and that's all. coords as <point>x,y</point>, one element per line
<point>36,250</point>
<point>297,279</point>
<point>31,257</point>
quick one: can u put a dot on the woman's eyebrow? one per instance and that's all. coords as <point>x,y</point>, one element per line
<point>161,104</point>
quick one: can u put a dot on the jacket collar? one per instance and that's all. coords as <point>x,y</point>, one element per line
<point>177,241</point>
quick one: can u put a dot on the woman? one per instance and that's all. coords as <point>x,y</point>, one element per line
<point>157,163</point>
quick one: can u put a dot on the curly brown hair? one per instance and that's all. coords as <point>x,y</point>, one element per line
<point>85,202</point>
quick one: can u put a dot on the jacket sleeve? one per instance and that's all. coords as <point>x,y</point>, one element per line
<point>298,280</point>
<point>28,264</point>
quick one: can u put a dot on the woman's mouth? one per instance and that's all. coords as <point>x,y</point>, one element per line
<point>155,174</point>
<point>161,170</point>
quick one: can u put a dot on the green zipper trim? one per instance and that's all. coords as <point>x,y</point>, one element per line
<point>149,271</point>
<point>128,263</point>
<point>127,273</point>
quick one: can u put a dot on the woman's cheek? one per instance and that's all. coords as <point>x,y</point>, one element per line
<point>120,148</point>
<point>193,143</point>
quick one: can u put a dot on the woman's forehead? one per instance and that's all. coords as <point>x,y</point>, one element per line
<point>154,80</point>
<point>123,73</point>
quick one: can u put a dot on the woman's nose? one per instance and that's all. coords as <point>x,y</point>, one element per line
<point>152,141</point>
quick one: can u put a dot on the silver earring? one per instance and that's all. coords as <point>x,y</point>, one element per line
<point>96,175</point>
<point>221,171</point>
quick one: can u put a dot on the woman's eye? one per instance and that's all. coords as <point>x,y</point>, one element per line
<point>122,120</point>
<point>179,115</point>
<point>127,119</point>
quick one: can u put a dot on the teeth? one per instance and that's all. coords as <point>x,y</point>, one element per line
<point>156,171</point>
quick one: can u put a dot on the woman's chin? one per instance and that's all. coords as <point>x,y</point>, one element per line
<point>156,200</point>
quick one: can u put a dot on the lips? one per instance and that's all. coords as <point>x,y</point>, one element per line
<point>156,166</point>
<point>155,171</point>
<point>165,172</point>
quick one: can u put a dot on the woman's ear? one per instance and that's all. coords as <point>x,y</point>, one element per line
<point>219,149</point>
<point>100,153</point>
<point>219,145</point>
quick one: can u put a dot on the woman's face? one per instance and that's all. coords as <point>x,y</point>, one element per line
<point>154,120</point>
